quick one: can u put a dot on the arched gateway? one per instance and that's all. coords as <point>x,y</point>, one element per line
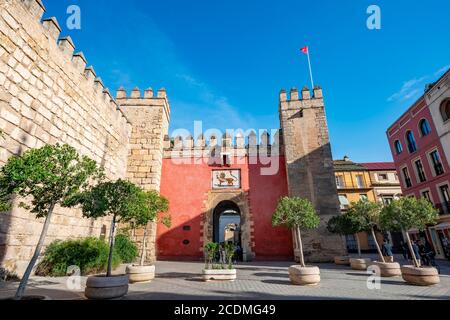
<point>227,188</point>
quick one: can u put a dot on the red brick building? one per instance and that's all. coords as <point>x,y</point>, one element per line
<point>423,168</point>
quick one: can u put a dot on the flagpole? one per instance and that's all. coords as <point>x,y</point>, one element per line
<point>310,71</point>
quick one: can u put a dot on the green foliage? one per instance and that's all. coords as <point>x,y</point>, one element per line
<point>343,224</point>
<point>212,253</point>
<point>145,208</point>
<point>89,254</point>
<point>117,198</point>
<point>211,250</point>
<point>407,213</point>
<point>125,248</point>
<point>364,214</point>
<point>230,250</point>
<point>49,175</point>
<point>295,212</point>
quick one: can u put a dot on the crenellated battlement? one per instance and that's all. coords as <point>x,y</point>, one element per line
<point>237,145</point>
<point>74,63</point>
<point>305,94</point>
<point>149,98</point>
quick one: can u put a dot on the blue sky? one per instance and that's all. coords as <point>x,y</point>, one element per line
<point>224,62</point>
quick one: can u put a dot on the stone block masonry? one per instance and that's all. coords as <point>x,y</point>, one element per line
<point>309,167</point>
<point>48,95</point>
<point>149,116</point>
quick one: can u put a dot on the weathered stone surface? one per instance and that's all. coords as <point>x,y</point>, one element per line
<point>102,287</point>
<point>360,264</point>
<point>388,269</point>
<point>310,170</point>
<point>304,276</point>
<point>342,260</point>
<point>138,273</point>
<point>420,276</point>
<point>47,96</point>
<point>219,274</point>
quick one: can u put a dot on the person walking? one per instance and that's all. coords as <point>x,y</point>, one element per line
<point>386,250</point>
<point>416,252</point>
<point>423,252</point>
<point>404,248</point>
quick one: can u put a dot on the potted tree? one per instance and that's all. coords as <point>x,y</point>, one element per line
<point>116,199</point>
<point>144,211</point>
<point>344,225</point>
<point>367,216</point>
<point>47,177</point>
<point>405,214</point>
<point>354,215</point>
<point>219,262</point>
<point>296,213</point>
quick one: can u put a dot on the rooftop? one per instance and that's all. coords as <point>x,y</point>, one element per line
<point>379,166</point>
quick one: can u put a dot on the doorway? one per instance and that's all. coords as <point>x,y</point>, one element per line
<point>227,223</point>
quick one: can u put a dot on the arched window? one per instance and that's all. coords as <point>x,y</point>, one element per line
<point>424,127</point>
<point>398,147</point>
<point>412,147</point>
<point>445,110</point>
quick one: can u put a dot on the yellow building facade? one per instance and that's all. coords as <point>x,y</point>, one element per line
<point>354,183</point>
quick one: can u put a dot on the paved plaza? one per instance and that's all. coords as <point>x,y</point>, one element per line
<point>256,280</point>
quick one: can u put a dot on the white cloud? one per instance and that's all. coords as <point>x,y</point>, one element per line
<point>412,89</point>
<point>441,71</point>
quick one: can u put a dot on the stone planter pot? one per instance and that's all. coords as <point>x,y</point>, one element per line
<point>388,269</point>
<point>420,276</point>
<point>138,273</point>
<point>342,261</point>
<point>304,276</point>
<point>101,287</point>
<point>219,274</point>
<point>360,264</point>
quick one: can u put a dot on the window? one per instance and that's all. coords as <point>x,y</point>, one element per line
<point>406,177</point>
<point>445,196</point>
<point>438,167</point>
<point>382,177</point>
<point>445,110</point>
<point>351,242</point>
<point>360,181</point>
<point>426,195</point>
<point>339,181</point>
<point>387,199</point>
<point>412,147</point>
<point>226,160</point>
<point>363,197</point>
<point>424,127</point>
<point>398,147</point>
<point>420,172</point>
<point>345,204</point>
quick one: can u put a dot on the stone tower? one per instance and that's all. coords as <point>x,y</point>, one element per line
<point>149,116</point>
<point>309,167</point>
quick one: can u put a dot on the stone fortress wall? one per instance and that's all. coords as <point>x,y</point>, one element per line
<point>309,166</point>
<point>48,95</point>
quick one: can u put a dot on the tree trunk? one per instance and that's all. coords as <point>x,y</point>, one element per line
<point>300,247</point>
<point>144,242</point>
<point>413,254</point>
<point>37,252</point>
<point>358,244</point>
<point>380,254</point>
<point>111,246</point>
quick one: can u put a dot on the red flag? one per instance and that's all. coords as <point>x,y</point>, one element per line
<point>305,50</point>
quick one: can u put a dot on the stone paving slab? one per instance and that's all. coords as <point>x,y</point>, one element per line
<point>256,280</point>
